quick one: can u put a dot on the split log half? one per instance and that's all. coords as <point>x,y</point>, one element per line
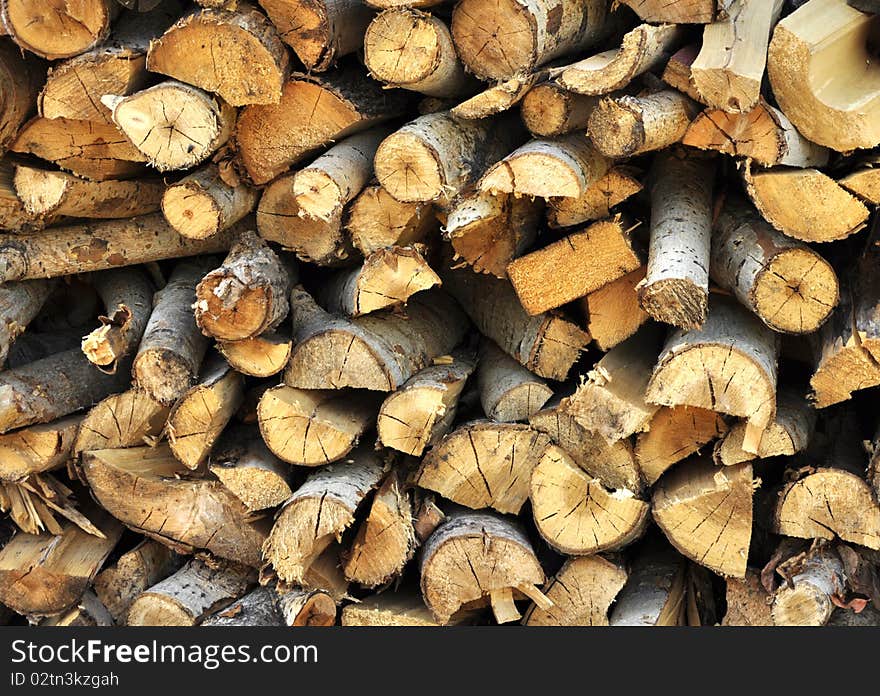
<point>508,391</point>
<point>129,419</point>
<point>613,311</point>
<point>261,356</point>
<point>375,220</point>
<point>38,448</point>
<point>56,29</point>
<point>597,201</point>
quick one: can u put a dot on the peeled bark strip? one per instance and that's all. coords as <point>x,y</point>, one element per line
<point>549,110</point>
<point>597,201</point>
<point>678,12</point>
<point>611,400</point>
<point>172,348</point>
<point>489,231</point>
<point>234,53</point>
<point>814,54</point>
<point>42,574</point>
<point>789,286</point>
<point>250,471</point>
<point>144,566</point>
<point>582,593</point>
<point>414,50</point>
<point>728,366</point>
<point>379,351</point>
<point>20,80</point>
<point>508,391</point>
<point>19,304</point>
<point>98,246</point>
<point>484,464</point>
<point>256,608</point>
<point>479,557</point>
<point>627,126</point>
<point>546,344</point>
<point>385,540</point>
<point>186,514</point>
<point>574,266</point>
<point>549,167</point>
<point>613,464</point>
<point>127,295</point>
<point>200,415</point>
<point>194,592</point>
<point>128,419</point>
<point>387,278</point>
<point>706,513</point>
<point>748,603</point>
<point>247,295</point>
<point>499,40</point>
<point>675,434</point>
<point>322,188</point>
<point>731,62</point>
<point>676,287</point>
<point>763,133</point>
<point>389,609</point>
<point>97,151</point>
<point>654,594</point>
<point>576,514</point>
<point>436,157</point>
<point>56,28</point>
<point>198,126</point>
<point>261,356</point>
<point>806,599</point>
<point>319,31</point>
<point>36,449</point>
<point>312,428</point>
<point>642,49</point>
<point>375,220</point>
<point>313,111</point>
<point>421,411</point>
<point>805,203</point>
<point>306,607</point>
<point>613,311</point>
<point>202,204</point>
<point>318,513</point>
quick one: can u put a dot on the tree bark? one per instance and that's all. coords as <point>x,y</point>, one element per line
<point>20,302</point>
<point>654,594</point>
<point>806,599</point>
<point>508,391</point>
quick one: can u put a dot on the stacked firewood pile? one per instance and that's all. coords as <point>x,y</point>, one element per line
<point>417,312</point>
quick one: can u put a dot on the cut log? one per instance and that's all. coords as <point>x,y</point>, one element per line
<point>36,449</point>
<point>235,53</point>
<point>421,411</point>
<point>582,593</point>
<point>814,56</point>
<point>379,351</point>
<point>313,112</point>
<point>805,203</point>
<point>306,608</point>
<point>58,29</point>
<point>807,598</point>
<point>676,287</point>
<point>546,344</point>
<point>185,514</point>
<point>375,220</point>
<point>484,464</point>
<point>256,608</point>
<point>88,611</point>
<point>748,603</point>
<point>489,231</point>
<point>42,574</point>
<point>172,349</point>
<point>414,50</point>
<point>674,434</point>
<point>706,513</point>
<point>190,595</point>
<point>549,110</point>
<point>575,266</point>
<point>654,594</point>
<point>642,49</point>
<point>502,39</point>
<point>145,565</point>
<point>597,201</point>
<point>250,471</point>
<point>728,366</point>
<point>247,295</point>
<point>611,400</point>
<point>311,428</point>
<point>508,391</point>
<point>324,574</point>
<point>632,125</point>
<point>677,73</point>
<point>436,157</point>
<point>98,246</point>
<point>19,304</point>
<point>389,609</point>
<point>14,217</point>
<point>129,419</point>
<point>202,204</point>
<point>789,286</point>
<point>730,65</point>
<point>387,278</point>
<point>763,134</point>
<point>479,557</point>
<point>548,167</point>
<point>680,12</point>
<point>261,356</point>
<point>20,80</point>
<point>576,514</point>
<point>613,311</point>
<point>318,513</point>
<point>498,97</point>
<point>319,31</point>
<point>385,541</point>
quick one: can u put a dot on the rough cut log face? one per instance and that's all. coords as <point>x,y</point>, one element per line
<point>56,28</point>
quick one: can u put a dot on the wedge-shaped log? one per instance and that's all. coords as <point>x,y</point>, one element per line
<point>37,448</point>
<point>597,201</point>
<point>249,470</point>
<point>129,419</point>
<point>375,220</point>
<point>613,311</point>
<point>261,356</point>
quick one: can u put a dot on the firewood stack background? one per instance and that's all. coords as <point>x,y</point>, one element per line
<point>561,312</point>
